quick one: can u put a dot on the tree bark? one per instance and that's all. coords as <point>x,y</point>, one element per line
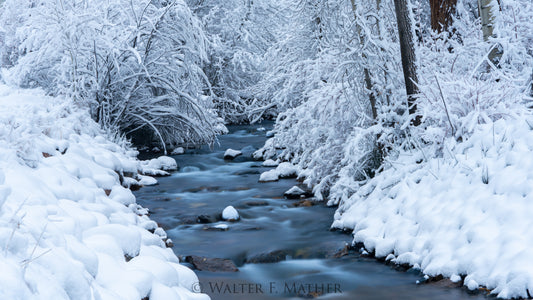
<point>441,14</point>
<point>407,48</point>
<point>366,72</point>
<point>486,11</point>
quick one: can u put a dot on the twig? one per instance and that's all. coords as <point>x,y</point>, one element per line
<point>445,106</point>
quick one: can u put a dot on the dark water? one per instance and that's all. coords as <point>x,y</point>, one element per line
<point>206,184</point>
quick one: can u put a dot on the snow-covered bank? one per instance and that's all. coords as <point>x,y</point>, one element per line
<point>68,229</point>
<point>466,213</point>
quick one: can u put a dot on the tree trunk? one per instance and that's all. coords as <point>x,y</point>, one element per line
<point>487,11</point>
<point>407,48</point>
<point>366,72</point>
<point>441,14</point>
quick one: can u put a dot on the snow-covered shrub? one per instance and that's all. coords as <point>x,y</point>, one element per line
<point>240,32</point>
<point>137,64</point>
<point>326,124</point>
<point>460,87</point>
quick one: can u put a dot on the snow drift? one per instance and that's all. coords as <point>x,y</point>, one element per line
<point>68,228</point>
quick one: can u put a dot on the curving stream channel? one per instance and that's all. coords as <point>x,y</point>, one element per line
<point>306,258</point>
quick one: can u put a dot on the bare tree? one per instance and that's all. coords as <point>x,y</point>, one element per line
<point>366,72</point>
<point>407,48</point>
<point>441,14</point>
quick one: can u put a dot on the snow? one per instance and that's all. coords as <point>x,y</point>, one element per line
<point>221,226</point>
<point>231,154</point>
<point>294,192</point>
<point>270,163</point>
<point>178,151</point>
<point>147,180</point>
<point>283,170</point>
<point>61,236</point>
<point>271,175</point>
<point>466,213</point>
<point>230,214</point>
<point>164,163</point>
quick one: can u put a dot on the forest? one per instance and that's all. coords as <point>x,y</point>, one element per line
<point>402,113</point>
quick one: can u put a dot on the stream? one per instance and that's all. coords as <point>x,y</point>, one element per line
<point>270,227</point>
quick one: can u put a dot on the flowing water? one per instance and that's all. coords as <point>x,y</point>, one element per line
<point>270,226</point>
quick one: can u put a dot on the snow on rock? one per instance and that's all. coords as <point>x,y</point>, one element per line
<point>271,175</point>
<point>283,170</point>
<point>294,193</point>
<point>178,151</point>
<point>270,163</point>
<point>147,180</point>
<point>231,154</point>
<point>230,214</point>
<point>466,212</point>
<point>287,170</point>
<point>61,235</point>
<point>164,163</point>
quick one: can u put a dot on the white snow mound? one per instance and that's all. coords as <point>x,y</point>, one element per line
<point>465,213</point>
<point>231,154</point>
<point>61,236</point>
<point>230,214</point>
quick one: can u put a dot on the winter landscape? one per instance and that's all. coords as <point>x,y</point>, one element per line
<point>241,149</point>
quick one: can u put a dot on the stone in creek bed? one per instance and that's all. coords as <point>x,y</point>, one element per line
<point>294,193</point>
<point>230,214</point>
<point>270,257</point>
<point>231,154</point>
<point>211,264</point>
<point>256,203</point>
<point>304,203</point>
<point>219,227</point>
<point>205,219</point>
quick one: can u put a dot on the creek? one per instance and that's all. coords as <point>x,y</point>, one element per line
<point>308,259</point>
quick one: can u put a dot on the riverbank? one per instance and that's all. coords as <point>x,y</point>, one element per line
<point>465,215</point>
<point>68,227</point>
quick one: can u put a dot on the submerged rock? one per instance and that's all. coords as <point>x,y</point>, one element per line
<point>305,203</point>
<point>205,219</point>
<point>219,227</point>
<point>270,257</point>
<point>231,154</point>
<point>211,264</point>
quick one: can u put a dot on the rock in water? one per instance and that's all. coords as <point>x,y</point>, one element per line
<point>211,264</point>
<point>230,214</point>
<point>178,151</point>
<point>268,176</point>
<point>231,154</point>
<point>294,193</point>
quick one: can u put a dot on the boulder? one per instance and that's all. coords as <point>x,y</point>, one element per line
<point>294,193</point>
<point>230,214</point>
<point>268,176</point>
<point>211,264</point>
<point>270,257</point>
<point>231,154</point>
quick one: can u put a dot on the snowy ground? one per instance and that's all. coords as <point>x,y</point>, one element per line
<point>466,215</point>
<point>68,229</point>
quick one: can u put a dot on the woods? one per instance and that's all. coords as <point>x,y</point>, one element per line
<point>340,77</point>
<point>413,117</point>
